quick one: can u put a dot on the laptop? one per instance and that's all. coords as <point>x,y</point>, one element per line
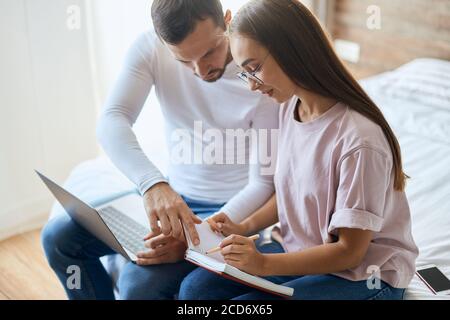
<point>121,224</point>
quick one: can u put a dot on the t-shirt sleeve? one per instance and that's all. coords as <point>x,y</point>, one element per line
<point>364,178</point>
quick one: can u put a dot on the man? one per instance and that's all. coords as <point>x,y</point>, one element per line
<point>188,61</point>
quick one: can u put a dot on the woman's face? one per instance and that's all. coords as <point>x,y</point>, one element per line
<point>251,56</point>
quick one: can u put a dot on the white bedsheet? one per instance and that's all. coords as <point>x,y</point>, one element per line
<point>424,136</point>
<point>428,164</point>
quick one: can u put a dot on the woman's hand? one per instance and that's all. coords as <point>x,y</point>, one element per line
<point>241,252</point>
<point>222,224</point>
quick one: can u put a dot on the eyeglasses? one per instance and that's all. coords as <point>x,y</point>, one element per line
<point>246,76</point>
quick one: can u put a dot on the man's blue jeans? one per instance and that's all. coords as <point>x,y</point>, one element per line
<point>67,244</point>
<point>204,285</point>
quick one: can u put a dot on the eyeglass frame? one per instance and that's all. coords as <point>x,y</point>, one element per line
<point>246,75</point>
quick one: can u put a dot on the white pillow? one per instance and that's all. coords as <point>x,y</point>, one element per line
<point>425,81</point>
<point>415,98</point>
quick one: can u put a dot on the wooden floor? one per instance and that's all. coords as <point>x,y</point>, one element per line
<point>24,272</point>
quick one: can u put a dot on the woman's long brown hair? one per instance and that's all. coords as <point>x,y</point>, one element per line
<point>299,45</point>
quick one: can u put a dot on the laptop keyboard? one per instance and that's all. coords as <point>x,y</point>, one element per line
<point>128,232</point>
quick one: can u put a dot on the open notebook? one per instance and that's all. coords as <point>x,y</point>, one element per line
<point>214,262</point>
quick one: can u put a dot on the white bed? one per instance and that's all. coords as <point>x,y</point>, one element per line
<point>416,100</point>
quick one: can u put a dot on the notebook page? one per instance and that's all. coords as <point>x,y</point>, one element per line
<point>208,240</point>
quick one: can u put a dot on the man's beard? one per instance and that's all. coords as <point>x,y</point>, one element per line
<point>219,72</point>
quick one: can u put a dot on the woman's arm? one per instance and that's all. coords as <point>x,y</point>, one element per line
<point>347,253</point>
<point>262,218</point>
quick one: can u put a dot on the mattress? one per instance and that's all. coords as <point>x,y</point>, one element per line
<point>427,162</point>
<point>416,102</point>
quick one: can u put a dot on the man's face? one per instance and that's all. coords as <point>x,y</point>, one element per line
<point>206,51</point>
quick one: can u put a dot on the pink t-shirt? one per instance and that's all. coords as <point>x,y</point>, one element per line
<point>337,172</point>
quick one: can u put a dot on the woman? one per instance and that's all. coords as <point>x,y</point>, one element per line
<point>340,200</point>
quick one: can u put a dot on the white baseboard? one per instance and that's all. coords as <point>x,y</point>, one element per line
<point>23,218</point>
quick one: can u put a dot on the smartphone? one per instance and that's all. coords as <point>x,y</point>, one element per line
<point>434,279</point>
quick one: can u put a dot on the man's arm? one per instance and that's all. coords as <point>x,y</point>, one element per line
<point>115,134</point>
<point>121,110</point>
<point>260,186</point>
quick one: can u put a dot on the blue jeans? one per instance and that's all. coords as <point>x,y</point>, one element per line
<point>66,244</point>
<point>204,285</point>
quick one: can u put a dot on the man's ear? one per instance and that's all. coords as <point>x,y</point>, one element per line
<point>227,18</point>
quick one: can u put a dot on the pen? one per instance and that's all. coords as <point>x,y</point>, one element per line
<point>213,250</point>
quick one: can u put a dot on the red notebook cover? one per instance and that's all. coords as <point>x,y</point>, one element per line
<point>230,277</point>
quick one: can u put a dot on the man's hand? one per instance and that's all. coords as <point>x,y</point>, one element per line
<point>162,249</point>
<point>163,204</point>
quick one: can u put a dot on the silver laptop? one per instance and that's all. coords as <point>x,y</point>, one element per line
<point>121,224</point>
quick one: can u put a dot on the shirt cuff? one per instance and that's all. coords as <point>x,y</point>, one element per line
<point>355,219</point>
<point>148,183</point>
<point>232,214</point>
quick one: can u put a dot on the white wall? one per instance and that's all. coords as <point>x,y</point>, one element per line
<point>53,81</point>
<point>114,25</point>
<point>47,106</point>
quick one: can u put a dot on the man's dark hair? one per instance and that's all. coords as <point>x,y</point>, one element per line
<point>174,20</point>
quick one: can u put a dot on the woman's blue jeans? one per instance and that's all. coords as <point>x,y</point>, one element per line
<point>204,285</point>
